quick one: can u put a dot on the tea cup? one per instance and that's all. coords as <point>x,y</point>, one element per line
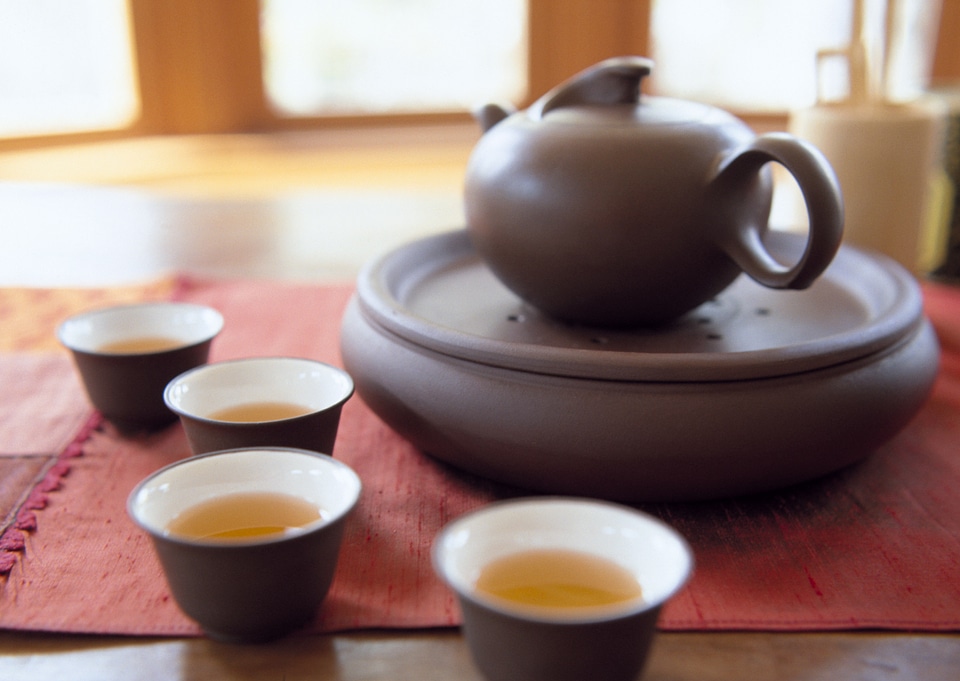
<point>518,632</point>
<point>270,577</point>
<point>127,354</point>
<point>260,401</point>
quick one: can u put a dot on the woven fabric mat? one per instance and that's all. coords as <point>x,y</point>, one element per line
<point>44,412</point>
<point>875,546</point>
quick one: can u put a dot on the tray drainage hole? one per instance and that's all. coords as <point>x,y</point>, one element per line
<point>763,311</point>
<point>516,318</point>
<point>599,340</point>
<point>714,336</point>
<point>703,320</point>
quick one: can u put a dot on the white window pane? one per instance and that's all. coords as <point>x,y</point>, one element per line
<point>376,56</point>
<point>65,66</point>
<point>761,54</point>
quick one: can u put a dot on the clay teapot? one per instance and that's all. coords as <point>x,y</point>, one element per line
<point>602,206</point>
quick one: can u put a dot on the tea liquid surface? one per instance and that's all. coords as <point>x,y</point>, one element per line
<point>247,515</point>
<point>260,411</point>
<point>132,346</point>
<point>558,579</point>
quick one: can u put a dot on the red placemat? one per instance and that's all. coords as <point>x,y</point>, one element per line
<point>876,546</point>
<point>41,414</point>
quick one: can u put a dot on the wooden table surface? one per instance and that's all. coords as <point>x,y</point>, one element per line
<point>70,235</point>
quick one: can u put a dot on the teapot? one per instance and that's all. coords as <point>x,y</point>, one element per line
<point>601,206</point>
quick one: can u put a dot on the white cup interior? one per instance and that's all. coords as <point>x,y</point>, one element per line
<point>330,485</point>
<point>213,387</point>
<point>654,553</point>
<point>185,322</point>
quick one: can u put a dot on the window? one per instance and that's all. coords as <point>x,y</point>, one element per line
<point>762,56</point>
<point>378,56</point>
<point>233,65</point>
<point>65,65</point>
<point>210,66</point>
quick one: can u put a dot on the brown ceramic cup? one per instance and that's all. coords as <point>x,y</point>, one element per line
<point>127,354</point>
<point>513,642</point>
<point>263,387</point>
<point>258,588</point>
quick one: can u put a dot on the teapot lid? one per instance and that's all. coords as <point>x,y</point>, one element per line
<point>612,90</point>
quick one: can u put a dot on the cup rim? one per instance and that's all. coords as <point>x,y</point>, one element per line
<point>631,608</point>
<point>124,308</point>
<point>175,407</point>
<point>310,528</point>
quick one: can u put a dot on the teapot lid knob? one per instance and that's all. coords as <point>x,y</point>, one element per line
<point>612,81</point>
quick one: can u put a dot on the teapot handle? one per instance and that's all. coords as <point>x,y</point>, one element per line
<point>821,195</point>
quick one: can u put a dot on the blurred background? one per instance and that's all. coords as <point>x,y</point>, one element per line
<point>73,70</point>
<point>247,98</point>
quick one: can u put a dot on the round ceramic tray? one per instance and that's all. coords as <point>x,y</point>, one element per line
<point>754,390</point>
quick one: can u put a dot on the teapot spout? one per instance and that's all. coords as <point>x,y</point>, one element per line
<point>491,114</point>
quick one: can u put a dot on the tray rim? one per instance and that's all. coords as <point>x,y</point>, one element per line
<point>383,281</point>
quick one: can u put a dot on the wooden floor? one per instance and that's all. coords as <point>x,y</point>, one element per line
<point>414,159</point>
<point>346,195</point>
<point>396,165</point>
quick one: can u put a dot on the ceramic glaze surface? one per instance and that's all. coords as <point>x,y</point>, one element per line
<point>600,206</point>
<point>439,294</point>
<point>754,391</point>
<point>127,388</point>
<point>260,588</point>
<point>317,390</point>
<point>508,644</point>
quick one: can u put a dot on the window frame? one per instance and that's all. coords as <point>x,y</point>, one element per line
<point>199,65</point>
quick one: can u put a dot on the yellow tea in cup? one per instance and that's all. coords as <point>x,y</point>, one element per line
<point>133,346</point>
<point>247,515</point>
<point>248,538</point>
<point>252,412</point>
<point>560,588</point>
<point>558,578</point>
